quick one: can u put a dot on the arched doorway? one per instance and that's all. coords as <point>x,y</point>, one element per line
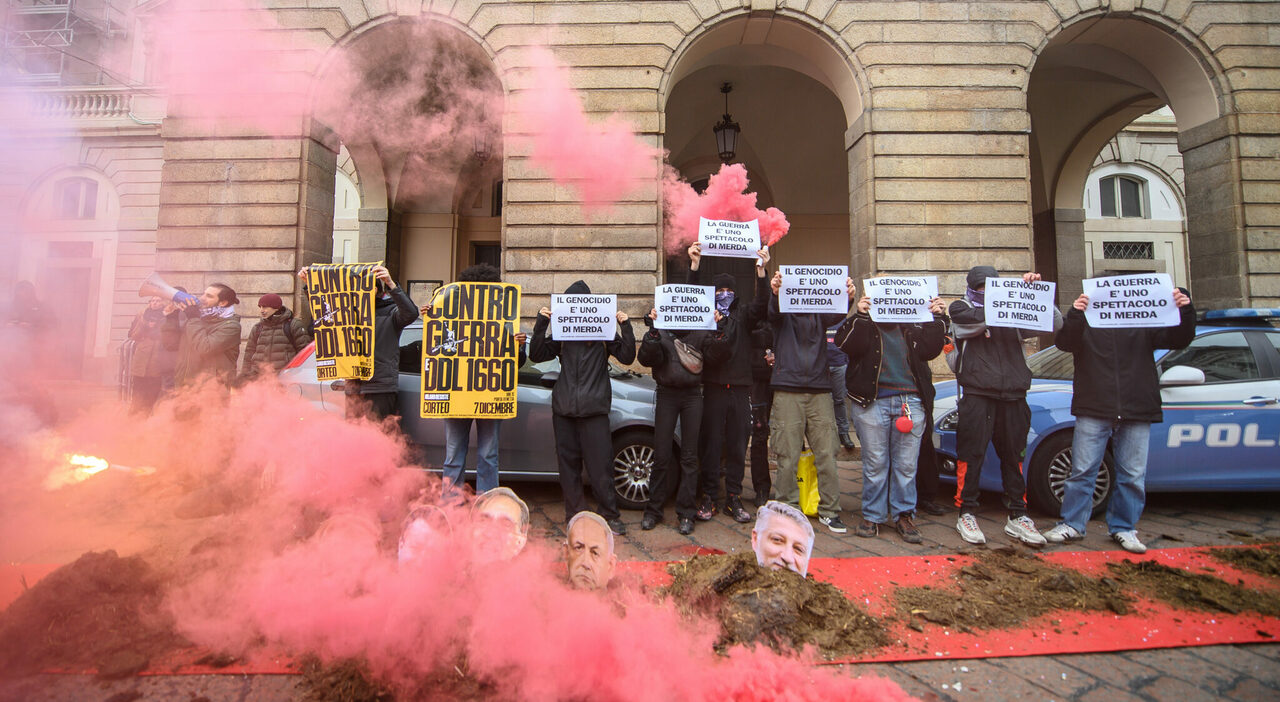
<point>415,108</point>
<point>796,98</point>
<point>1088,83</point>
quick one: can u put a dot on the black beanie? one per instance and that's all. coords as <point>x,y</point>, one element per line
<point>724,280</point>
<point>978,276</point>
<point>578,288</point>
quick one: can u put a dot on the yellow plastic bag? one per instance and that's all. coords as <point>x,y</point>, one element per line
<point>807,478</point>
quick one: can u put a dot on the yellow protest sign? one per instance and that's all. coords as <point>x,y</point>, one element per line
<point>470,361</point>
<point>341,298</point>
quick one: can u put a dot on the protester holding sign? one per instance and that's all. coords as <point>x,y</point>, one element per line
<point>491,350</point>
<point>677,359</point>
<point>580,403</point>
<point>993,376</point>
<point>726,394</point>
<point>378,397</point>
<point>1115,398</point>
<point>888,382</point>
<point>802,407</point>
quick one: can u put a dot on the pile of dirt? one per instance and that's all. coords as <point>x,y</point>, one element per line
<point>1185,590</point>
<point>1003,589</point>
<point>777,608</point>
<point>101,611</point>
<point>1263,560</point>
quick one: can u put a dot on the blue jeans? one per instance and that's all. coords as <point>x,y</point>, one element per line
<point>888,456</point>
<point>457,438</point>
<point>1129,443</point>
<point>838,395</point>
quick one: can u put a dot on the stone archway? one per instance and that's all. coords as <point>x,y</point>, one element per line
<point>799,102</point>
<point>1091,80</point>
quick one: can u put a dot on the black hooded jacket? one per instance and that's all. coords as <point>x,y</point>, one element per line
<point>390,317</point>
<point>583,389</point>
<point>658,351</point>
<point>1115,369</point>
<point>800,350</point>
<point>737,328</point>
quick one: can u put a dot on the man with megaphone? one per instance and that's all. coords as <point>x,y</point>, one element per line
<point>209,344</point>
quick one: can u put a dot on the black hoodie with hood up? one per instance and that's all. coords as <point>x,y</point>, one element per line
<point>583,389</point>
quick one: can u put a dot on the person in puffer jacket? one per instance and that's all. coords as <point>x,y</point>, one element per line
<point>994,378</point>
<point>802,407</point>
<point>275,340</point>
<point>679,397</point>
<point>1115,398</point>
<point>580,403</point>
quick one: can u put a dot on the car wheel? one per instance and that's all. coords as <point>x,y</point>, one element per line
<point>1048,472</point>
<point>632,467</point>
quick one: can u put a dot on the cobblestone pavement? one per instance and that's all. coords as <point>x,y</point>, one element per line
<point>1245,672</point>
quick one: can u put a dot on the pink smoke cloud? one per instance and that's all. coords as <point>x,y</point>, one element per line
<point>724,198</point>
<point>302,558</point>
<point>603,160</point>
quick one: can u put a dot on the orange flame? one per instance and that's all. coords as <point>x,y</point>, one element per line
<point>81,467</point>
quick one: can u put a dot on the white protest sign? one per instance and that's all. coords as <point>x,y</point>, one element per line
<point>901,298</point>
<point>813,289</point>
<point>1141,300</point>
<point>1013,303</point>
<point>720,237</point>
<point>584,317</point>
<point>685,307</point>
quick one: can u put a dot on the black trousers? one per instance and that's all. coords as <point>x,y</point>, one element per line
<point>146,391</point>
<point>1004,424</point>
<point>927,487</point>
<point>375,406</point>
<point>670,476</point>
<point>585,442</point>
<point>726,427</point>
<point>761,403</point>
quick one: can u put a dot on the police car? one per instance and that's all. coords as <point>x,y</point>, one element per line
<point>1221,429</point>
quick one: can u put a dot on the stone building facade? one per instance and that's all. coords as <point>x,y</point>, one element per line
<point>900,137</point>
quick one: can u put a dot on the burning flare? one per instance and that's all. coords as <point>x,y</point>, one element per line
<point>80,467</point>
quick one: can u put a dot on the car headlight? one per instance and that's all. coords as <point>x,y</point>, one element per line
<point>948,421</point>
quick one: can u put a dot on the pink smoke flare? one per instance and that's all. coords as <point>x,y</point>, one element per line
<point>725,198</point>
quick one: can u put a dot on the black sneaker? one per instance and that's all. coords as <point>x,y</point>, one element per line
<point>733,508</point>
<point>930,507</point>
<point>834,524</point>
<point>686,526</point>
<point>706,509</point>
<point>845,441</point>
<point>648,523</point>
<point>617,527</point>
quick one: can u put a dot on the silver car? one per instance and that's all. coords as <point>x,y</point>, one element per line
<point>527,443</point>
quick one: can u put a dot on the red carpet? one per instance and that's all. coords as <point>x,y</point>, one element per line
<point>871,582</point>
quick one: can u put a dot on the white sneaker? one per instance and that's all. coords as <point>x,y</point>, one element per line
<point>1062,533</point>
<point>1024,530</point>
<point>1128,541</point>
<point>969,529</point>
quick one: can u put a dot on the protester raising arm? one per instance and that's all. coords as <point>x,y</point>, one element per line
<point>932,335</point>
<point>1180,336</point>
<point>406,312</point>
<point>543,347</point>
<point>1070,337</point>
<point>623,346</point>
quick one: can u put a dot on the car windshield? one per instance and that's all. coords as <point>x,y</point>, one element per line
<point>1052,364</point>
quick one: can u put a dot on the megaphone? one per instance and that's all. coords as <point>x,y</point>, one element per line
<point>154,286</point>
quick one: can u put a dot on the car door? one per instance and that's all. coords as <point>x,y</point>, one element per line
<point>1223,434</point>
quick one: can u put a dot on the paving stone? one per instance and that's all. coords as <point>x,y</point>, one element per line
<point>1052,674</point>
<point>1168,687</point>
<point>1250,689</point>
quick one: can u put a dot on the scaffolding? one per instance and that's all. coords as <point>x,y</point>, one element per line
<point>60,42</point>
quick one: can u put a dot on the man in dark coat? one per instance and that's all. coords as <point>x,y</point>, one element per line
<point>209,344</point>
<point>580,404</point>
<point>726,392</point>
<point>379,396</point>
<point>994,378</point>
<point>679,397</point>
<point>802,406</point>
<point>1115,398</point>
<point>275,340</point>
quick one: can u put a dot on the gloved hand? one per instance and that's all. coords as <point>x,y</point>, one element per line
<point>185,299</point>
